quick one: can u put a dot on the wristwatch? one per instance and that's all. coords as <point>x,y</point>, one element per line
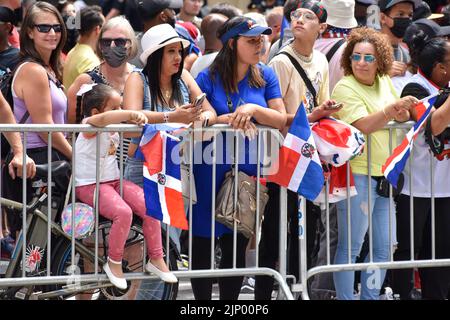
<point>166,116</point>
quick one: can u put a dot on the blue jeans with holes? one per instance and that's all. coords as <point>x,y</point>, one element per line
<point>371,279</point>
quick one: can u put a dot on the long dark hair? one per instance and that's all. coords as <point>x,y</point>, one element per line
<point>153,70</point>
<point>426,52</point>
<point>28,51</point>
<point>225,64</point>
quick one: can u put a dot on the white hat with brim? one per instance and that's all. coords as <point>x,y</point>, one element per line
<point>341,13</point>
<point>158,37</point>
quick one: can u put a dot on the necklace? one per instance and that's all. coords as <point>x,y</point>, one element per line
<point>167,94</point>
<point>305,59</point>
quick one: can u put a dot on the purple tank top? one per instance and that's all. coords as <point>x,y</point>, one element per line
<point>59,109</point>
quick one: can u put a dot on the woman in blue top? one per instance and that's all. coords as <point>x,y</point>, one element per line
<point>242,91</point>
<point>163,91</point>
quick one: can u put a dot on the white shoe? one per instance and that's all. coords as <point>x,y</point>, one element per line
<point>164,276</point>
<point>120,283</point>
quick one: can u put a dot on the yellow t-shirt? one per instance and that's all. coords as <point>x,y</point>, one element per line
<point>80,59</point>
<point>359,101</point>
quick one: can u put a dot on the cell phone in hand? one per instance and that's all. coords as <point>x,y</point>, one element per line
<point>199,100</point>
<point>335,106</point>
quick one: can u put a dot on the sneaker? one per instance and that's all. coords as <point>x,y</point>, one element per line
<point>184,263</point>
<point>388,294</point>
<point>248,285</point>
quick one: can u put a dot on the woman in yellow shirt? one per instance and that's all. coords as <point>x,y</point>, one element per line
<point>370,103</point>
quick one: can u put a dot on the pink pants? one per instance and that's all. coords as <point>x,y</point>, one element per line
<point>120,211</point>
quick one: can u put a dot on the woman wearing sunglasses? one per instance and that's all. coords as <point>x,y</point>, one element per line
<point>37,94</point>
<point>370,103</point>
<point>116,46</point>
<point>39,74</point>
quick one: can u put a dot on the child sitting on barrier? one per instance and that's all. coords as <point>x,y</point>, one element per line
<point>100,105</point>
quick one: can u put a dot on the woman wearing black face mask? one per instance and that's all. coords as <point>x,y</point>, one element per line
<point>116,45</point>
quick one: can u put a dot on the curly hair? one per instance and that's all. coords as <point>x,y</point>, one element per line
<point>383,49</point>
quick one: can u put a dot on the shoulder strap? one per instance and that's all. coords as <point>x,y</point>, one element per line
<point>334,48</point>
<point>303,75</point>
<point>97,78</point>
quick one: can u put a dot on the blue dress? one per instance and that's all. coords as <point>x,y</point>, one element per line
<point>201,213</point>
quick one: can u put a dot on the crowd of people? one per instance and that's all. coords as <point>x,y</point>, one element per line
<point>146,61</point>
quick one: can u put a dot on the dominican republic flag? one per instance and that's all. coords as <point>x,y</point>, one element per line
<point>298,167</point>
<point>337,142</point>
<point>396,162</point>
<point>159,147</point>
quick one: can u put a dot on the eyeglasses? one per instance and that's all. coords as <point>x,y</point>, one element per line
<point>308,16</point>
<point>45,28</point>
<point>369,58</point>
<point>118,42</point>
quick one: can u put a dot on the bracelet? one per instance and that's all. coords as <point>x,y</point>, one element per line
<point>166,117</point>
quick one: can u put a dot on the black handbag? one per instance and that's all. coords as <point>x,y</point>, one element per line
<point>383,184</point>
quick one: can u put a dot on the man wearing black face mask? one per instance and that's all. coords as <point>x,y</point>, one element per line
<point>395,18</point>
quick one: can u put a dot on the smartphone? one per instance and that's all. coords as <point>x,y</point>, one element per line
<point>335,106</point>
<point>199,100</point>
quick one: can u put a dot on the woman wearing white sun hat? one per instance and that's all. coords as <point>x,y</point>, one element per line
<point>163,90</point>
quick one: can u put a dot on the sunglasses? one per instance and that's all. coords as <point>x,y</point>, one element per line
<point>369,58</point>
<point>307,16</point>
<point>118,42</point>
<point>45,28</point>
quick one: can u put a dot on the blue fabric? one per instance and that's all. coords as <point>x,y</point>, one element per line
<point>215,93</point>
<point>371,280</point>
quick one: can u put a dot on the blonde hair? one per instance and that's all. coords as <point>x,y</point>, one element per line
<point>123,24</point>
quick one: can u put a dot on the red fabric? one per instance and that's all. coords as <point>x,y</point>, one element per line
<point>13,39</point>
<point>153,153</point>
<point>288,160</point>
<point>191,28</point>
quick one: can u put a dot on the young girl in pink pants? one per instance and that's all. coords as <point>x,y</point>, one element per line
<point>100,107</point>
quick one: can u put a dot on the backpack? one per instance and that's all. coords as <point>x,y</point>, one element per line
<point>5,88</point>
<point>6,77</point>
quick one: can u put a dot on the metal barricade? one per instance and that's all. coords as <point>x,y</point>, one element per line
<point>94,278</point>
<point>371,265</point>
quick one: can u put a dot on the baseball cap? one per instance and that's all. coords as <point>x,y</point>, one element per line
<point>429,27</point>
<point>150,8</point>
<point>386,4</point>
<point>248,28</point>
<point>7,15</point>
<point>315,6</point>
<point>424,11</point>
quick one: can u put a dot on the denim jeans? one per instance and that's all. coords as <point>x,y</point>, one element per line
<point>371,279</point>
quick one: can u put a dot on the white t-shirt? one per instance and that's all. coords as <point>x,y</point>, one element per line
<point>293,88</point>
<point>85,158</point>
<point>324,45</point>
<point>421,179</point>
<point>202,63</point>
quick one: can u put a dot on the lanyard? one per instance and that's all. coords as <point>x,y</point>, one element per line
<point>230,103</point>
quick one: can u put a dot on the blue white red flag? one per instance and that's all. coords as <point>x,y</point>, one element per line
<point>298,167</point>
<point>162,177</point>
<point>396,162</point>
